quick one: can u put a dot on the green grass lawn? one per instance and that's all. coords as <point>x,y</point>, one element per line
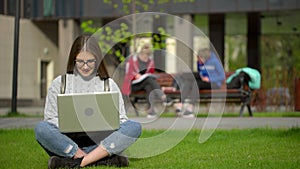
<point>228,149</point>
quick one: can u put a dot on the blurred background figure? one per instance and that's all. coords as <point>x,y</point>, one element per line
<point>210,75</point>
<point>139,75</point>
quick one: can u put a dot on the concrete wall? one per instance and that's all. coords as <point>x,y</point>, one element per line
<point>48,41</point>
<point>184,44</point>
<point>68,30</point>
<point>35,45</point>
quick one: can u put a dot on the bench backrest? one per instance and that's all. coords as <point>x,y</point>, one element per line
<point>166,79</point>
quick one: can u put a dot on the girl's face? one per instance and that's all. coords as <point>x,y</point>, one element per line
<point>85,63</point>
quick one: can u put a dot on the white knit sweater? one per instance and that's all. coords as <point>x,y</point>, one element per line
<point>75,84</point>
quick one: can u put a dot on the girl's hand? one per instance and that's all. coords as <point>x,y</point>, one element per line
<point>79,154</point>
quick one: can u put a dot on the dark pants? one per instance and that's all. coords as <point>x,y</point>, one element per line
<point>149,84</point>
<point>189,85</point>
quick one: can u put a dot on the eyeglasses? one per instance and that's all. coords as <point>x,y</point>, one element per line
<point>90,63</point>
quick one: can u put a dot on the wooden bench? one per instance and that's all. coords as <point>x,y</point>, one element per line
<point>241,95</point>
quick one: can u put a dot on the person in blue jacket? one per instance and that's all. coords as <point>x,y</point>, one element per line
<point>210,75</point>
<point>210,70</point>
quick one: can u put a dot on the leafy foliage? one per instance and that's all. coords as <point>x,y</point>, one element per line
<point>114,41</point>
<point>280,59</point>
<point>108,36</point>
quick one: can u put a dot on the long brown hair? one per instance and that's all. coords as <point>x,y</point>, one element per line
<point>89,44</point>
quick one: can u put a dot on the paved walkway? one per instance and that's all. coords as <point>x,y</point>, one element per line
<point>181,123</point>
<point>167,123</point>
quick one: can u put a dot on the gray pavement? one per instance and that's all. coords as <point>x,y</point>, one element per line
<point>181,123</point>
<point>165,123</point>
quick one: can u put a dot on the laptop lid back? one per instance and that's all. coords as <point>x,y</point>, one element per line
<point>88,112</point>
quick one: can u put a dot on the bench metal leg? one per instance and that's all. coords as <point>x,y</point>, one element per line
<point>241,110</point>
<point>136,113</point>
<point>246,102</point>
<point>249,110</point>
<point>128,103</point>
<point>135,109</point>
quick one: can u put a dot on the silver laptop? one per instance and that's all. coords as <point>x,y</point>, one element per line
<point>88,112</point>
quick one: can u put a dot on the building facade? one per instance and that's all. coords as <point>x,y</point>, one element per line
<point>48,28</point>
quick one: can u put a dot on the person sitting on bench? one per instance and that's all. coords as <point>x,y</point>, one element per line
<point>139,76</point>
<point>210,75</point>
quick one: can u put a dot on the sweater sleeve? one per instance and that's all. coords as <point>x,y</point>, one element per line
<point>114,87</point>
<point>50,111</point>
